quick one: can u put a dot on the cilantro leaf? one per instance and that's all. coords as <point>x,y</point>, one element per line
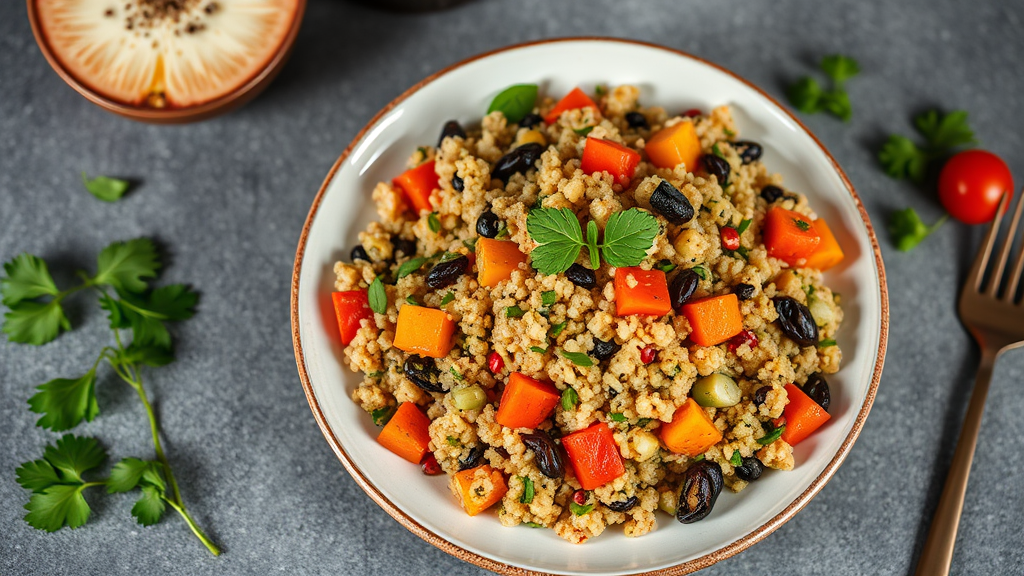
<point>840,68</point>
<point>577,358</point>
<point>557,328</point>
<point>559,237</point>
<point>908,230</point>
<point>123,265</point>
<point>149,509</point>
<point>153,355</point>
<point>838,103</point>
<point>131,473</point>
<point>65,402</point>
<point>377,296</point>
<point>514,312</point>
<point>515,102</point>
<point>628,236</point>
<point>35,323</point>
<point>57,506</point>
<point>26,277</point>
<point>901,158</point>
<point>944,132</point>
<point>527,496</point>
<point>105,188</point>
<point>74,455</point>
<point>115,313</point>
<point>37,475</point>
<point>805,95</point>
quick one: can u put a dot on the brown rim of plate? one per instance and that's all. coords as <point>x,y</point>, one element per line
<point>237,97</point>
<point>689,566</point>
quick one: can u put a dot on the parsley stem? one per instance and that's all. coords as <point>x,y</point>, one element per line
<point>91,484</point>
<point>195,527</point>
<point>131,374</point>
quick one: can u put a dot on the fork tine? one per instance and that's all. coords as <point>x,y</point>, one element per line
<point>1004,253</point>
<point>1018,267</point>
<point>981,260</point>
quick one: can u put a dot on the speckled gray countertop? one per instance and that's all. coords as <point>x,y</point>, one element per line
<point>227,199</point>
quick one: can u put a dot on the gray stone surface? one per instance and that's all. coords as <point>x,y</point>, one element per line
<point>227,199</point>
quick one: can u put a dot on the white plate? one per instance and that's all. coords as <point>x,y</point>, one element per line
<point>666,78</point>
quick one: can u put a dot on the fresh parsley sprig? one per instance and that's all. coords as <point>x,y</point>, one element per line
<point>36,316</point>
<point>809,97</point>
<point>628,236</point>
<point>908,230</point>
<point>943,133</point>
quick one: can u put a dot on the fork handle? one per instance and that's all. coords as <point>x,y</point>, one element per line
<point>937,553</point>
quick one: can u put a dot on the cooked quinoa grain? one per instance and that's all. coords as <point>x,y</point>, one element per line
<point>589,359</point>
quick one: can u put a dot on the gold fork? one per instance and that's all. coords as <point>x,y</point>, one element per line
<point>996,320</point>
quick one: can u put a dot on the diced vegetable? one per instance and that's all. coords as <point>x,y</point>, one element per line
<point>820,310</point>
<point>639,291</point>
<point>716,391</point>
<point>828,253</point>
<point>469,398</point>
<point>611,157</point>
<point>594,455</point>
<point>478,488</point>
<point>406,434</point>
<point>418,184</point>
<point>789,236</point>
<point>424,331</point>
<point>496,260</point>
<point>714,319</point>
<point>691,430</point>
<point>573,100</point>
<point>675,145</point>
<point>526,402</point>
<point>803,415</point>
<point>351,308</point>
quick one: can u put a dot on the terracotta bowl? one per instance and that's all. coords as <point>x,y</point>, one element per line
<point>666,78</point>
<point>237,97</point>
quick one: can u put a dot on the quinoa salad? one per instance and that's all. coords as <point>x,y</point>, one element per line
<point>583,311</point>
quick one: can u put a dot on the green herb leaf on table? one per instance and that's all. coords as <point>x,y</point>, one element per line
<point>56,483</point>
<point>577,358</point>
<point>805,95</point>
<point>149,509</point>
<point>58,506</point>
<point>840,68</point>
<point>901,158</point>
<point>26,277</point>
<point>838,104</point>
<point>908,230</point>
<point>35,323</point>
<point>377,296</point>
<point>65,402</point>
<point>105,188</point>
<point>945,132</point>
<point>515,102</point>
<point>628,236</point>
<point>127,474</point>
<point>569,398</point>
<point>527,496</point>
<point>559,237</point>
<point>123,265</point>
<point>410,266</point>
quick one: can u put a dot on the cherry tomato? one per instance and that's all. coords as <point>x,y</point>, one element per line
<point>971,185</point>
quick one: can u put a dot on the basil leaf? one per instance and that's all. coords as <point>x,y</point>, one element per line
<point>377,296</point>
<point>515,102</point>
